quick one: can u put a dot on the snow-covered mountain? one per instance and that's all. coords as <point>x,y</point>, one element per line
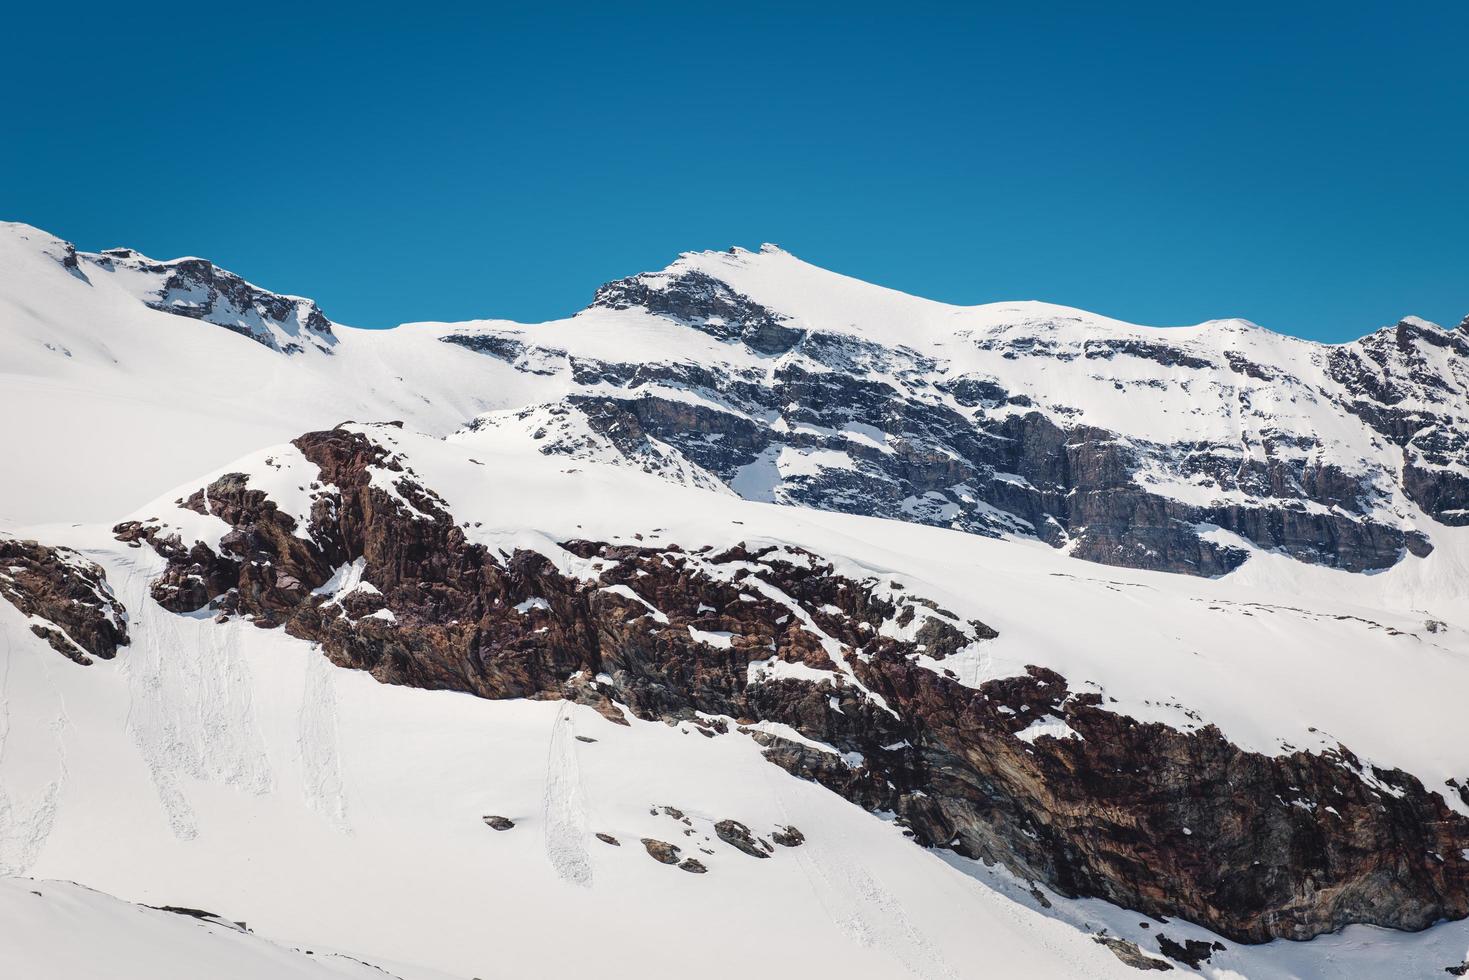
<point>1177,449</point>
<point>694,614</point>
<point>199,289</point>
<point>1183,449</point>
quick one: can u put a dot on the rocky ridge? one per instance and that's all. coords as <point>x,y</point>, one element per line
<point>199,289</point>
<point>970,431</point>
<point>841,681</point>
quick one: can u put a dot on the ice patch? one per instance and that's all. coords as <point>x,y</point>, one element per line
<point>1047,725</point>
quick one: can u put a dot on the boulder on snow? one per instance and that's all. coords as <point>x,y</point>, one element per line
<point>738,836</point>
<point>788,836</point>
<point>1131,954</point>
<point>661,851</point>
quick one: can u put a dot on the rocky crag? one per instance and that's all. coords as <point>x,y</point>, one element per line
<point>66,598</point>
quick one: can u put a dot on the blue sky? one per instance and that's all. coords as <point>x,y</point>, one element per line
<point>1307,168</point>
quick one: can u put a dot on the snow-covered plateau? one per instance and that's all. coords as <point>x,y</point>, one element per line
<point>753,621</point>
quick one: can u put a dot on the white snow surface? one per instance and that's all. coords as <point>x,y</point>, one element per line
<point>58,930</point>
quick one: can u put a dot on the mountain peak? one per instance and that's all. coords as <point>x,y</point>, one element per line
<point>17,238</point>
<point>693,291</point>
<point>197,288</point>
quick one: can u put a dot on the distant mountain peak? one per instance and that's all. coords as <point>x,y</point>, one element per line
<point>197,288</point>
<point>694,297</point>
<point>1418,321</point>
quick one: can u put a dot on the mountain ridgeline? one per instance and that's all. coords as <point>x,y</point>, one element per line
<point>1175,450</point>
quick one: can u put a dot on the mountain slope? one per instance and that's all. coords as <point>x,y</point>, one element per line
<point>326,808</point>
<point>62,931</point>
<point>689,622</point>
<point>211,745</point>
<point>121,400</point>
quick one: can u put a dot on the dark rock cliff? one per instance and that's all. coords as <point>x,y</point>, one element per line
<point>706,303</point>
<point>907,436</point>
<point>1025,771</point>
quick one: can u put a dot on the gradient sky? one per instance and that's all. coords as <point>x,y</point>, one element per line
<point>1304,166</point>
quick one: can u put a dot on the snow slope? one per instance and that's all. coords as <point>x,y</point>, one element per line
<point>95,382</point>
<point>62,931</point>
<point>249,776</point>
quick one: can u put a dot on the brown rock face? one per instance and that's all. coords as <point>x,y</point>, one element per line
<point>661,851</point>
<point>1165,821</point>
<point>83,617</point>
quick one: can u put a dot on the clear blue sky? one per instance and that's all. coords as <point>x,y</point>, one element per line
<point>1302,165</point>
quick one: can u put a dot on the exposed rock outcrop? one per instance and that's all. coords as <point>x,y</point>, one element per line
<point>788,837</point>
<point>1161,820</point>
<point>67,598</point>
<point>1192,953</point>
<point>1022,770</point>
<point>1130,953</point>
<point>1408,382</point>
<point>738,836</point>
<point>661,851</point>
<point>704,302</point>
<point>201,290</point>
